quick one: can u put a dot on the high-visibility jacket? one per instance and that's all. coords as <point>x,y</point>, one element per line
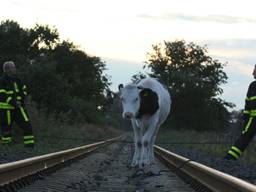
<point>12,91</point>
<point>250,101</point>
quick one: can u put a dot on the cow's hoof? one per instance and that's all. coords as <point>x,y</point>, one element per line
<point>134,165</point>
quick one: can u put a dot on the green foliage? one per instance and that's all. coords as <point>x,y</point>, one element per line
<point>13,42</point>
<point>137,77</point>
<point>53,133</point>
<point>83,109</point>
<point>42,39</point>
<point>47,88</point>
<point>60,77</point>
<point>82,71</point>
<point>194,79</point>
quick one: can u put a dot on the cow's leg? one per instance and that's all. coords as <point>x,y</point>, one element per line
<point>152,143</point>
<point>147,137</point>
<point>138,144</point>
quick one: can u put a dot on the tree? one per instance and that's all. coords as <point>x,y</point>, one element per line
<point>194,79</point>
<point>61,77</point>
<point>13,42</point>
<point>84,72</point>
<point>137,77</point>
<point>42,39</point>
<point>23,45</point>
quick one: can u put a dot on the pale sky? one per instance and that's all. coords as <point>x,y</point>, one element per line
<point>121,32</point>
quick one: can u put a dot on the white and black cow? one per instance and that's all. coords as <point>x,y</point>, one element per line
<point>147,104</point>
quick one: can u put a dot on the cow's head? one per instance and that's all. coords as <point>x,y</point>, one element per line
<point>130,99</point>
<point>137,101</point>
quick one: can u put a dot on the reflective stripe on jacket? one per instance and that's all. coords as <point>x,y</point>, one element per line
<point>11,91</point>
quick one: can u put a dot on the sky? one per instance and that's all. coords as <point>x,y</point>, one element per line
<point>122,32</point>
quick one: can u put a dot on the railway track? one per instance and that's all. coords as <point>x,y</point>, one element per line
<point>103,167</point>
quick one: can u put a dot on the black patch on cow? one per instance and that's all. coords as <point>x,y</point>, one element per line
<point>148,102</point>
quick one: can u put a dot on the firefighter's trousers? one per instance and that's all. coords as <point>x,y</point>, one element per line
<point>244,139</point>
<point>20,116</point>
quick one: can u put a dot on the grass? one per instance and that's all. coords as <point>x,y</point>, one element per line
<point>212,143</point>
<point>53,133</point>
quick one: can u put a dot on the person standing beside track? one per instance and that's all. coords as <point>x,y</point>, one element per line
<point>249,123</point>
<point>12,108</point>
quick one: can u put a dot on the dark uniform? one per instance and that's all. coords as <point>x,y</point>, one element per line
<point>249,130</point>
<point>12,96</point>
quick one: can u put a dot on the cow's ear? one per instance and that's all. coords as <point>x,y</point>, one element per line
<point>120,87</point>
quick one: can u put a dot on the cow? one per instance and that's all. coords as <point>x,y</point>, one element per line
<point>147,104</point>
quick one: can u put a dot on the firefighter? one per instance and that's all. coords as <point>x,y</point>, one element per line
<point>12,108</point>
<point>249,123</point>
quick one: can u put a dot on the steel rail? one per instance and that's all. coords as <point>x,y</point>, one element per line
<point>213,179</point>
<point>10,172</point>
